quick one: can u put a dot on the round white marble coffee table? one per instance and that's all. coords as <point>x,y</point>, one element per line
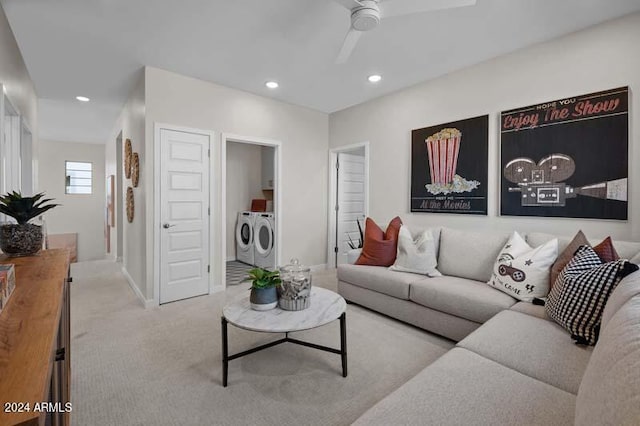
<point>326,306</point>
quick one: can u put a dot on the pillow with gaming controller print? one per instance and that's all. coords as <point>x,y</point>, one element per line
<point>522,271</point>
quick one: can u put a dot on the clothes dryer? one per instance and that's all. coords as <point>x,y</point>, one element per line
<point>264,233</point>
<point>244,237</point>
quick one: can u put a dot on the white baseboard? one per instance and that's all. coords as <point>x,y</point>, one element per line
<point>231,258</point>
<point>146,303</point>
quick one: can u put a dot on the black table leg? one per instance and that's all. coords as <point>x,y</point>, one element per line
<point>225,353</point>
<point>226,357</point>
<point>343,342</point>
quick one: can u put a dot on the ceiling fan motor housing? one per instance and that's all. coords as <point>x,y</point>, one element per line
<point>365,17</point>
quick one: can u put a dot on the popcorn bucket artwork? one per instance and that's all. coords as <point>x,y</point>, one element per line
<point>443,148</point>
<point>449,167</point>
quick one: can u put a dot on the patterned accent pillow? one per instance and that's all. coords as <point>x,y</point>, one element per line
<point>566,256</point>
<point>522,271</point>
<point>581,291</point>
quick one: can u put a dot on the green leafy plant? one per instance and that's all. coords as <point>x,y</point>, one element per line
<point>23,209</point>
<point>263,278</point>
<point>360,242</point>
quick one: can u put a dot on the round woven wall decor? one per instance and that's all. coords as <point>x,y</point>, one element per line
<point>130,204</point>
<point>127,158</point>
<point>135,170</point>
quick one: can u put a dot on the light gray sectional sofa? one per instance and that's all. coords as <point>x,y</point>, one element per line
<point>512,364</point>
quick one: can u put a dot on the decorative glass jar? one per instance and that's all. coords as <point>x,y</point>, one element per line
<point>294,293</point>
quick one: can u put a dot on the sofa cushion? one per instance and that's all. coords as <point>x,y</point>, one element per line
<point>532,346</point>
<point>522,271</point>
<point>531,309</point>
<point>379,278</point>
<point>625,249</point>
<point>468,254</point>
<point>463,388</point>
<point>379,247</point>
<point>624,291</point>
<point>416,255</point>
<point>610,390</point>
<point>461,297</point>
<point>581,291</point>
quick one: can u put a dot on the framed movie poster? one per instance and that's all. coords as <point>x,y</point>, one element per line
<point>567,158</point>
<point>449,167</point>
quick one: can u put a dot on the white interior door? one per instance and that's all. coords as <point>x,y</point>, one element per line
<point>184,217</point>
<point>350,201</point>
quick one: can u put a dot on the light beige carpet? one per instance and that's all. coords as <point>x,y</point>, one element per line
<point>162,366</point>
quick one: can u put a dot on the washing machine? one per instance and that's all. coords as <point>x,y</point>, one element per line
<point>264,233</point>
<point>244,237</point>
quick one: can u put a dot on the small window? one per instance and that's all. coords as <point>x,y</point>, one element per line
<point>78,177</point>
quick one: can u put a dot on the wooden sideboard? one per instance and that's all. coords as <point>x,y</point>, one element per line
<point>35,342</point>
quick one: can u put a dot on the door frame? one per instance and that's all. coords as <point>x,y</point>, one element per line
<point>120,197</point>
<point>157,205</point>
<point>277,193</point>
<point>333,190</point>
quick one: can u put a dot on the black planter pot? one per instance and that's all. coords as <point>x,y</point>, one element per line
<point>263,299</point>
<point>20,239</point>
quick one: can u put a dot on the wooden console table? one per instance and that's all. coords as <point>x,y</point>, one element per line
<point>35,342</point>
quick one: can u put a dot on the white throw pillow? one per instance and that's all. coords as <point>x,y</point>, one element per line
<point>522,271</point>
<point>417,256</point>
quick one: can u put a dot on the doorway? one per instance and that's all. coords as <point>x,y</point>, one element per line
<point>251,171</point>
<point>348,199</point>
<point>10,149</point>
<point>184,196</point>
<point>26,159</point>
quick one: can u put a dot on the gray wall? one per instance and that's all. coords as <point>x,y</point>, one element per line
<point>78,213</point>
<point>599,58</point>
<point>178,100</point>
<point>131,122</point>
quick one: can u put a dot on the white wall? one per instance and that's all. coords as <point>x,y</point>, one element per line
<point>18,85</point>
<point>78,213</point>
<point>184,101</point>
<point>599,58</point>
<point>244,183</point>
<point>131,124</point>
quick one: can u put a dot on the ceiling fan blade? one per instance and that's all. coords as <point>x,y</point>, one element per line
<point>389,8</point>
<point>348,45</point>
<point>348,4</point>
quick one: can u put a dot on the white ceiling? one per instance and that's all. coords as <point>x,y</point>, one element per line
<point>96,48</point>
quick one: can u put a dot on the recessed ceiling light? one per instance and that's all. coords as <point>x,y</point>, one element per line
<point>82,98</point>
<point>374,78</point>
<point>272,84</point>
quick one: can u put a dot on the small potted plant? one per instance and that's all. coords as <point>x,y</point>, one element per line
<point>264,295</point>
<point>22,238</point>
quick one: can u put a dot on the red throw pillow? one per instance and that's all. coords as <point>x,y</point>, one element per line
<point>379,248</point>
<point>605,251</point>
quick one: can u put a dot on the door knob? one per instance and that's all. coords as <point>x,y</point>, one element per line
<point>167,226</point>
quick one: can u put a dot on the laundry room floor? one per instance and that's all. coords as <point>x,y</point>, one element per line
<point>236,272</point>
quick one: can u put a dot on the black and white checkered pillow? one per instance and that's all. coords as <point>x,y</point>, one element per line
<point>581,291</point>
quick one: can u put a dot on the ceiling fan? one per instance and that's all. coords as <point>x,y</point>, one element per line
<point>366,15</point>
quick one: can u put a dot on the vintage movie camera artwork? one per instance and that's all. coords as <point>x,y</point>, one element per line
<point>542,184</point>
